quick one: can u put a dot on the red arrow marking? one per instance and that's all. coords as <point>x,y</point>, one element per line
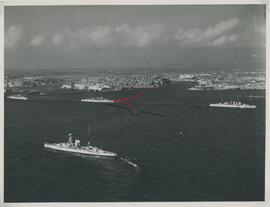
<point>126,100</point>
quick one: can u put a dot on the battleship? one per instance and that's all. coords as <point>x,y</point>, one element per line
<point>73,146</point>
<point>233,104</point>
<point>18,97</point>
<point>97,100</point>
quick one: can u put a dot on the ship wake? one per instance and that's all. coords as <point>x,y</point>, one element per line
<point>136,167</point>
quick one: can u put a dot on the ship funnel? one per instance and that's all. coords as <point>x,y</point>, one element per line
<point>77,142</point>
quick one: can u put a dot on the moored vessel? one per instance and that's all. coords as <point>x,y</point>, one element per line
<point>233,104</point>
<point>97,100</point>
<point>17,97</point>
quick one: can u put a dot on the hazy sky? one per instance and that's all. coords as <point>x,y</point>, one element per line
<point>133,36</point>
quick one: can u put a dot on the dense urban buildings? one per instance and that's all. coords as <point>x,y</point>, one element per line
<point>115,82</point>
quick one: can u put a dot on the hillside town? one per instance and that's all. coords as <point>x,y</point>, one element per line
<point>115,82</point>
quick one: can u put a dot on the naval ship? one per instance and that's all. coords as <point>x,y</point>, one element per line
<point>233,104</point>
<point>17,97</point>
<point>73,146</point>
<point>97,100</point>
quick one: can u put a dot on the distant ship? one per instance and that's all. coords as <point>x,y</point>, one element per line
<point>195,89</point>
<point>233,104</point>
<point>18,97</point>
<point>75,147</point>
<point>97,100</point>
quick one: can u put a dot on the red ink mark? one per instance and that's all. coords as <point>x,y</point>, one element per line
<point>133,109</point>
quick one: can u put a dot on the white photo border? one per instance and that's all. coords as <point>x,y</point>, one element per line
<point>7,3</point>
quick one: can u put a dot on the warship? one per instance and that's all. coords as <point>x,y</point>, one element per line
<point>97,100</point>
<point>17,97</point>
<point>233,104</point>
<point>74,146</point>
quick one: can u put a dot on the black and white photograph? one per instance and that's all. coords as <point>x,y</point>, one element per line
<point>134,103</point>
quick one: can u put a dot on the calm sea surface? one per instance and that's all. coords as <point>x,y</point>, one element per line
<point>218,157</point>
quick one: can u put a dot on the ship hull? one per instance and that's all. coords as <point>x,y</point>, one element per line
<point>233,106</point>
<point>97,101</point>
<point>80,151</point>
<point>15,98</point>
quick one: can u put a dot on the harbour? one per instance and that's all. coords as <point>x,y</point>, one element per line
<point>135,104</point>
<point>207,149</point>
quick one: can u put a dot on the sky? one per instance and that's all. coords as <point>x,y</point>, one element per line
<point>179,36</point>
